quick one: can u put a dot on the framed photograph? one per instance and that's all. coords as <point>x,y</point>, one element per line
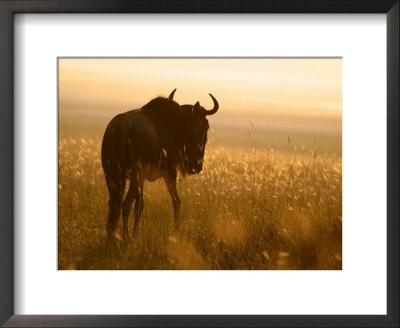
<point>280,164</point>
<point>199,164</point>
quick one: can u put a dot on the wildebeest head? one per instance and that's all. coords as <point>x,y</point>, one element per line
<point>196,135</point>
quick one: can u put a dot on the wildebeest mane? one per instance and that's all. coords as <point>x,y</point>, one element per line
<point>161,105</point>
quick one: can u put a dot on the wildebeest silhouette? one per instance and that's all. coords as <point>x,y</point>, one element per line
<point>156,141</point>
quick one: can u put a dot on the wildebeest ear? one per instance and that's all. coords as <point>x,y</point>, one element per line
<point>196,107</point>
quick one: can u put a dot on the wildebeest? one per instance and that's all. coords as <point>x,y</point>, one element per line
<point>156,141</point>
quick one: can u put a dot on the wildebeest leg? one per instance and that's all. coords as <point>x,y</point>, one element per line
<point>176,202</point>
<point>138,205</point>
<point>114,205</point>
<point>126,207</point>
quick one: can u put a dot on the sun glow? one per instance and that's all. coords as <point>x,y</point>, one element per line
<point>277,87</point>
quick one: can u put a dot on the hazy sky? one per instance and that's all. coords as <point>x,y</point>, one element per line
<point>268,87</point>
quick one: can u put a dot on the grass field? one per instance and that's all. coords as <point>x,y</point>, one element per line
<point>267,205</point>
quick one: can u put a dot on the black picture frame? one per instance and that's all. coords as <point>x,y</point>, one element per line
<point>7,11</point>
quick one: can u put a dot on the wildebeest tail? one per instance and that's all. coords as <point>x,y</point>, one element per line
<point>125,144</point>
<point>112,152</point>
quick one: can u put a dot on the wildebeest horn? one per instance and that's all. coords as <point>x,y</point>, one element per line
<point>216,106</point>
<point>171,96</point>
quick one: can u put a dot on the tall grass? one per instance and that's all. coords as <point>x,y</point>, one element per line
<point>247,209</point>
